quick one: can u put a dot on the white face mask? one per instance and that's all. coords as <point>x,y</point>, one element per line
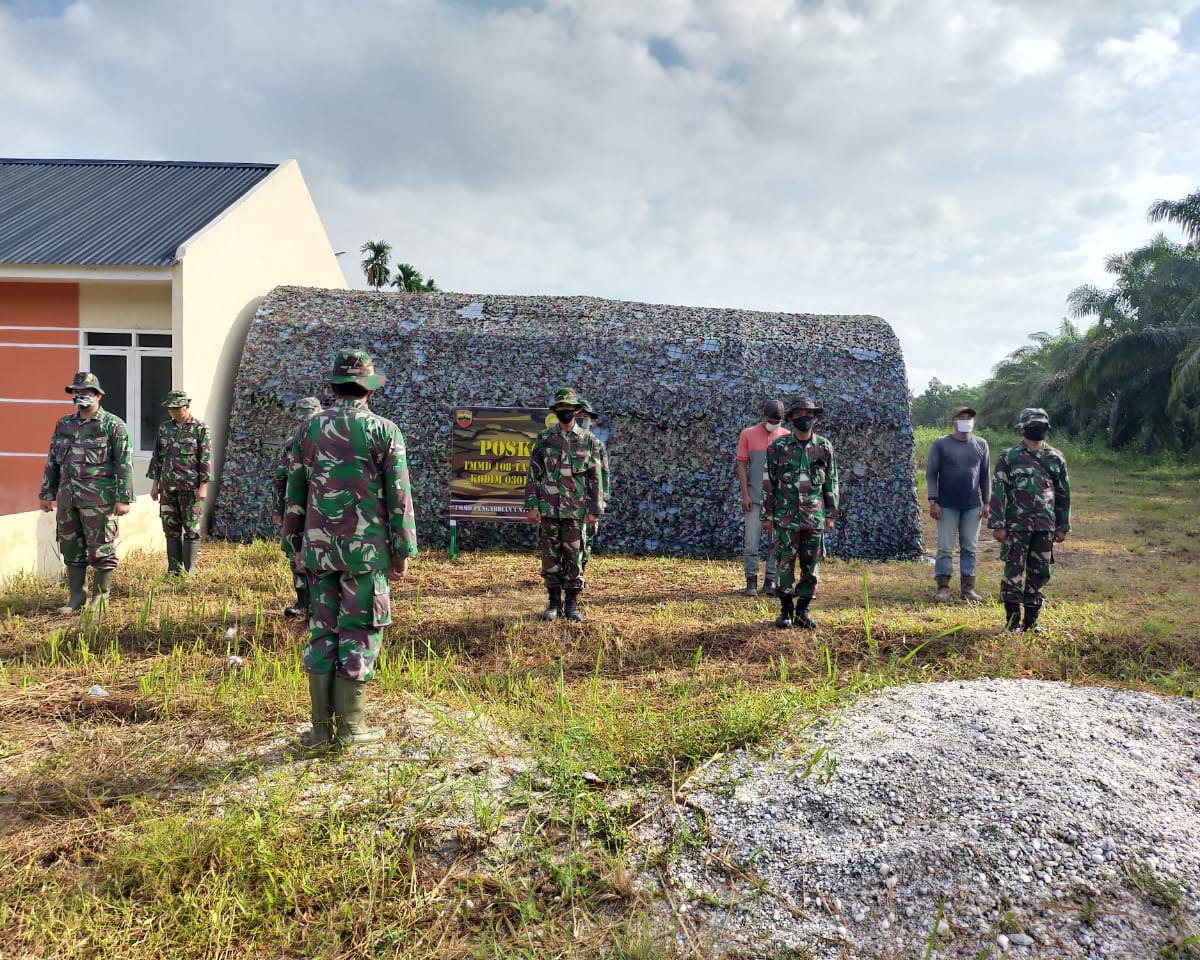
<point>964,426</point>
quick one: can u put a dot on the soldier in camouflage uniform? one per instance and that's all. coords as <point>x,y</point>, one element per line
<point>1030,511</point>
<point>89,475</point>
<point>180,469</point>
<point>800,502</point>
<point>563,494</point>
<point>586,415</point>
<point>349,521</point>
<point>306,407</point>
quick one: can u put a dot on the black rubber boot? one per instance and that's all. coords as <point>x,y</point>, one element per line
<point>187,555</point>
<point>752,586</point>
<point>571,610</point>
<point>301,607</point>
<point>802,618</point>
<point>1012,616</point>
<point>348,707</point>
<point>786,606</point>
<point>101,585</point>
<point>554,607</point>
<point>174,556</point>
<point>769,586</point>
<point>77,587</point>
<point>1031,617</point>
<point>320,693</point>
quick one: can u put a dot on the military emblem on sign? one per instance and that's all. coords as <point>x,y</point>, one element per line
<point>463,418</point>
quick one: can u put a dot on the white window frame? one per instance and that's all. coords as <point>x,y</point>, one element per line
<point>133,370</point>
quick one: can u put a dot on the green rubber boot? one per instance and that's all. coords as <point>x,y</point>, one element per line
<point>101,585</point>
<point>348,706</point>
<point>187,555</point>
<point>174,556</point>
<point>77,585</point>
<point>320,692</point>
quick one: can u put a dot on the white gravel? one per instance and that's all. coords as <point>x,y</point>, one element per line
<point>1047,820</point>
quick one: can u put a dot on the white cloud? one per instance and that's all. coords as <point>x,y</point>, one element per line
<point>956,166</point>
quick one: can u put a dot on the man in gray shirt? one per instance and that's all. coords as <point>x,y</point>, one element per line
<point>958,481</point>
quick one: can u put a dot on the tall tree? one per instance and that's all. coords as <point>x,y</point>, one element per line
<point>1184,213</point>
<point>376,262</point>
<point>408,278</point>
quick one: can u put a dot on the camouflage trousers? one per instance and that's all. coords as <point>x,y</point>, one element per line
<point>346,624</point>
<point>589,537</point>
<point>179,511</point>
<point>803,547</point>
<point>87,535</point>
<point>563,544</point>
<point>1027,555</point>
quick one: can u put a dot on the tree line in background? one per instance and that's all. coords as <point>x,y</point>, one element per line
<point>1132,378</point>
<point>377,268</point>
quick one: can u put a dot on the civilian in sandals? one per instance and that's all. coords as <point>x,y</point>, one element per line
<point>751,474</point>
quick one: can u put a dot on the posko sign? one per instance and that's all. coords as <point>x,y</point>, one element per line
<point>489,457</point>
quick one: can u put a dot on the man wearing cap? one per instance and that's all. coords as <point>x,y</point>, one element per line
<point>180,469</point>
<point>349,523</point>
<point>587,414</point>
<point>305,408</point>
<point>1030,512</point>
<point>751,474</point>
<point>958,484</point>
<point>800,501</point>
<point>89,475</point>
<point>564,493</point>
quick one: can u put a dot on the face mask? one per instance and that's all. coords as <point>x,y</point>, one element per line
<point>803,424</point>
<point>1036,431</point>
<point>964,426</point>
<point>83,400</point>
<point>565,416</point>
<point>773,425</point>
<point>584,423</point>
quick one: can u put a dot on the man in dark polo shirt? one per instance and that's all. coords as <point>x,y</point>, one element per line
<point>958,479</point>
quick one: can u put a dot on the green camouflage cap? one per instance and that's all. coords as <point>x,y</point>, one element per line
<point>803,403</point>
<point>586,408</point>
<point>177,398</point>
<point>85,380</point>
<point>355,366</point>
<point>565,397</point>
<point>1033,415</point>
<point>307,406</point>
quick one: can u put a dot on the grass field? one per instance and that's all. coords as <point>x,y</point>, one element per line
<point>172,818</point>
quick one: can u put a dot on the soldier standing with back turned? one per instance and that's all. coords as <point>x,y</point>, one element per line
<point>89,474</point>
<point>349,522</point>
<point>1030,512</point>
<point>180,469</point>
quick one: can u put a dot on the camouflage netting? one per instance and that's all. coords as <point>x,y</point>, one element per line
<point>673,386</point>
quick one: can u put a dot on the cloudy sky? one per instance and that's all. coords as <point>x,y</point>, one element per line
<point>954,166</point>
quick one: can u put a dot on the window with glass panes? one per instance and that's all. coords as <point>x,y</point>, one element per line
<point>134,367</point>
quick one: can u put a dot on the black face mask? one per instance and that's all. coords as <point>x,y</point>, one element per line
<point>1036,431</point>
<point>565,416</point>
<point>803,424</point>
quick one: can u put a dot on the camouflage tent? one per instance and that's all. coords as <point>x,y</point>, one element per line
<point>673,386</point>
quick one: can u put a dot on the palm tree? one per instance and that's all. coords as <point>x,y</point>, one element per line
<point>1184,213</point>
<point>375,264</point>
<point>409,279</point>
<point>1032,376</point>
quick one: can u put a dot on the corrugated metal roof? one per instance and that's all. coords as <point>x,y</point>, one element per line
<point>112,212</point>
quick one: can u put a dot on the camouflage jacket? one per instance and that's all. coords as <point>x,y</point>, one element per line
<point>349,503</point>
<point>182,458</point>
<point>1030,490</point>
<point>280,476</point>
<point>802,487</point>
<point>564,481</point>
<point>604,472</point>
<point>90,463</point>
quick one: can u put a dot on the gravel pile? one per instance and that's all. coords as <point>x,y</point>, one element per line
<point>1047,820</point>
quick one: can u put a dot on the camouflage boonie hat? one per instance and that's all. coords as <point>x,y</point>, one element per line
<point>803,403</point>
<point>566,397</point>
<point>307,406</point>
<point>177,398</point>
<point>586,408</point>
<point>1033,415</point>
<point>355,366</point>
<point>85,380</point>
